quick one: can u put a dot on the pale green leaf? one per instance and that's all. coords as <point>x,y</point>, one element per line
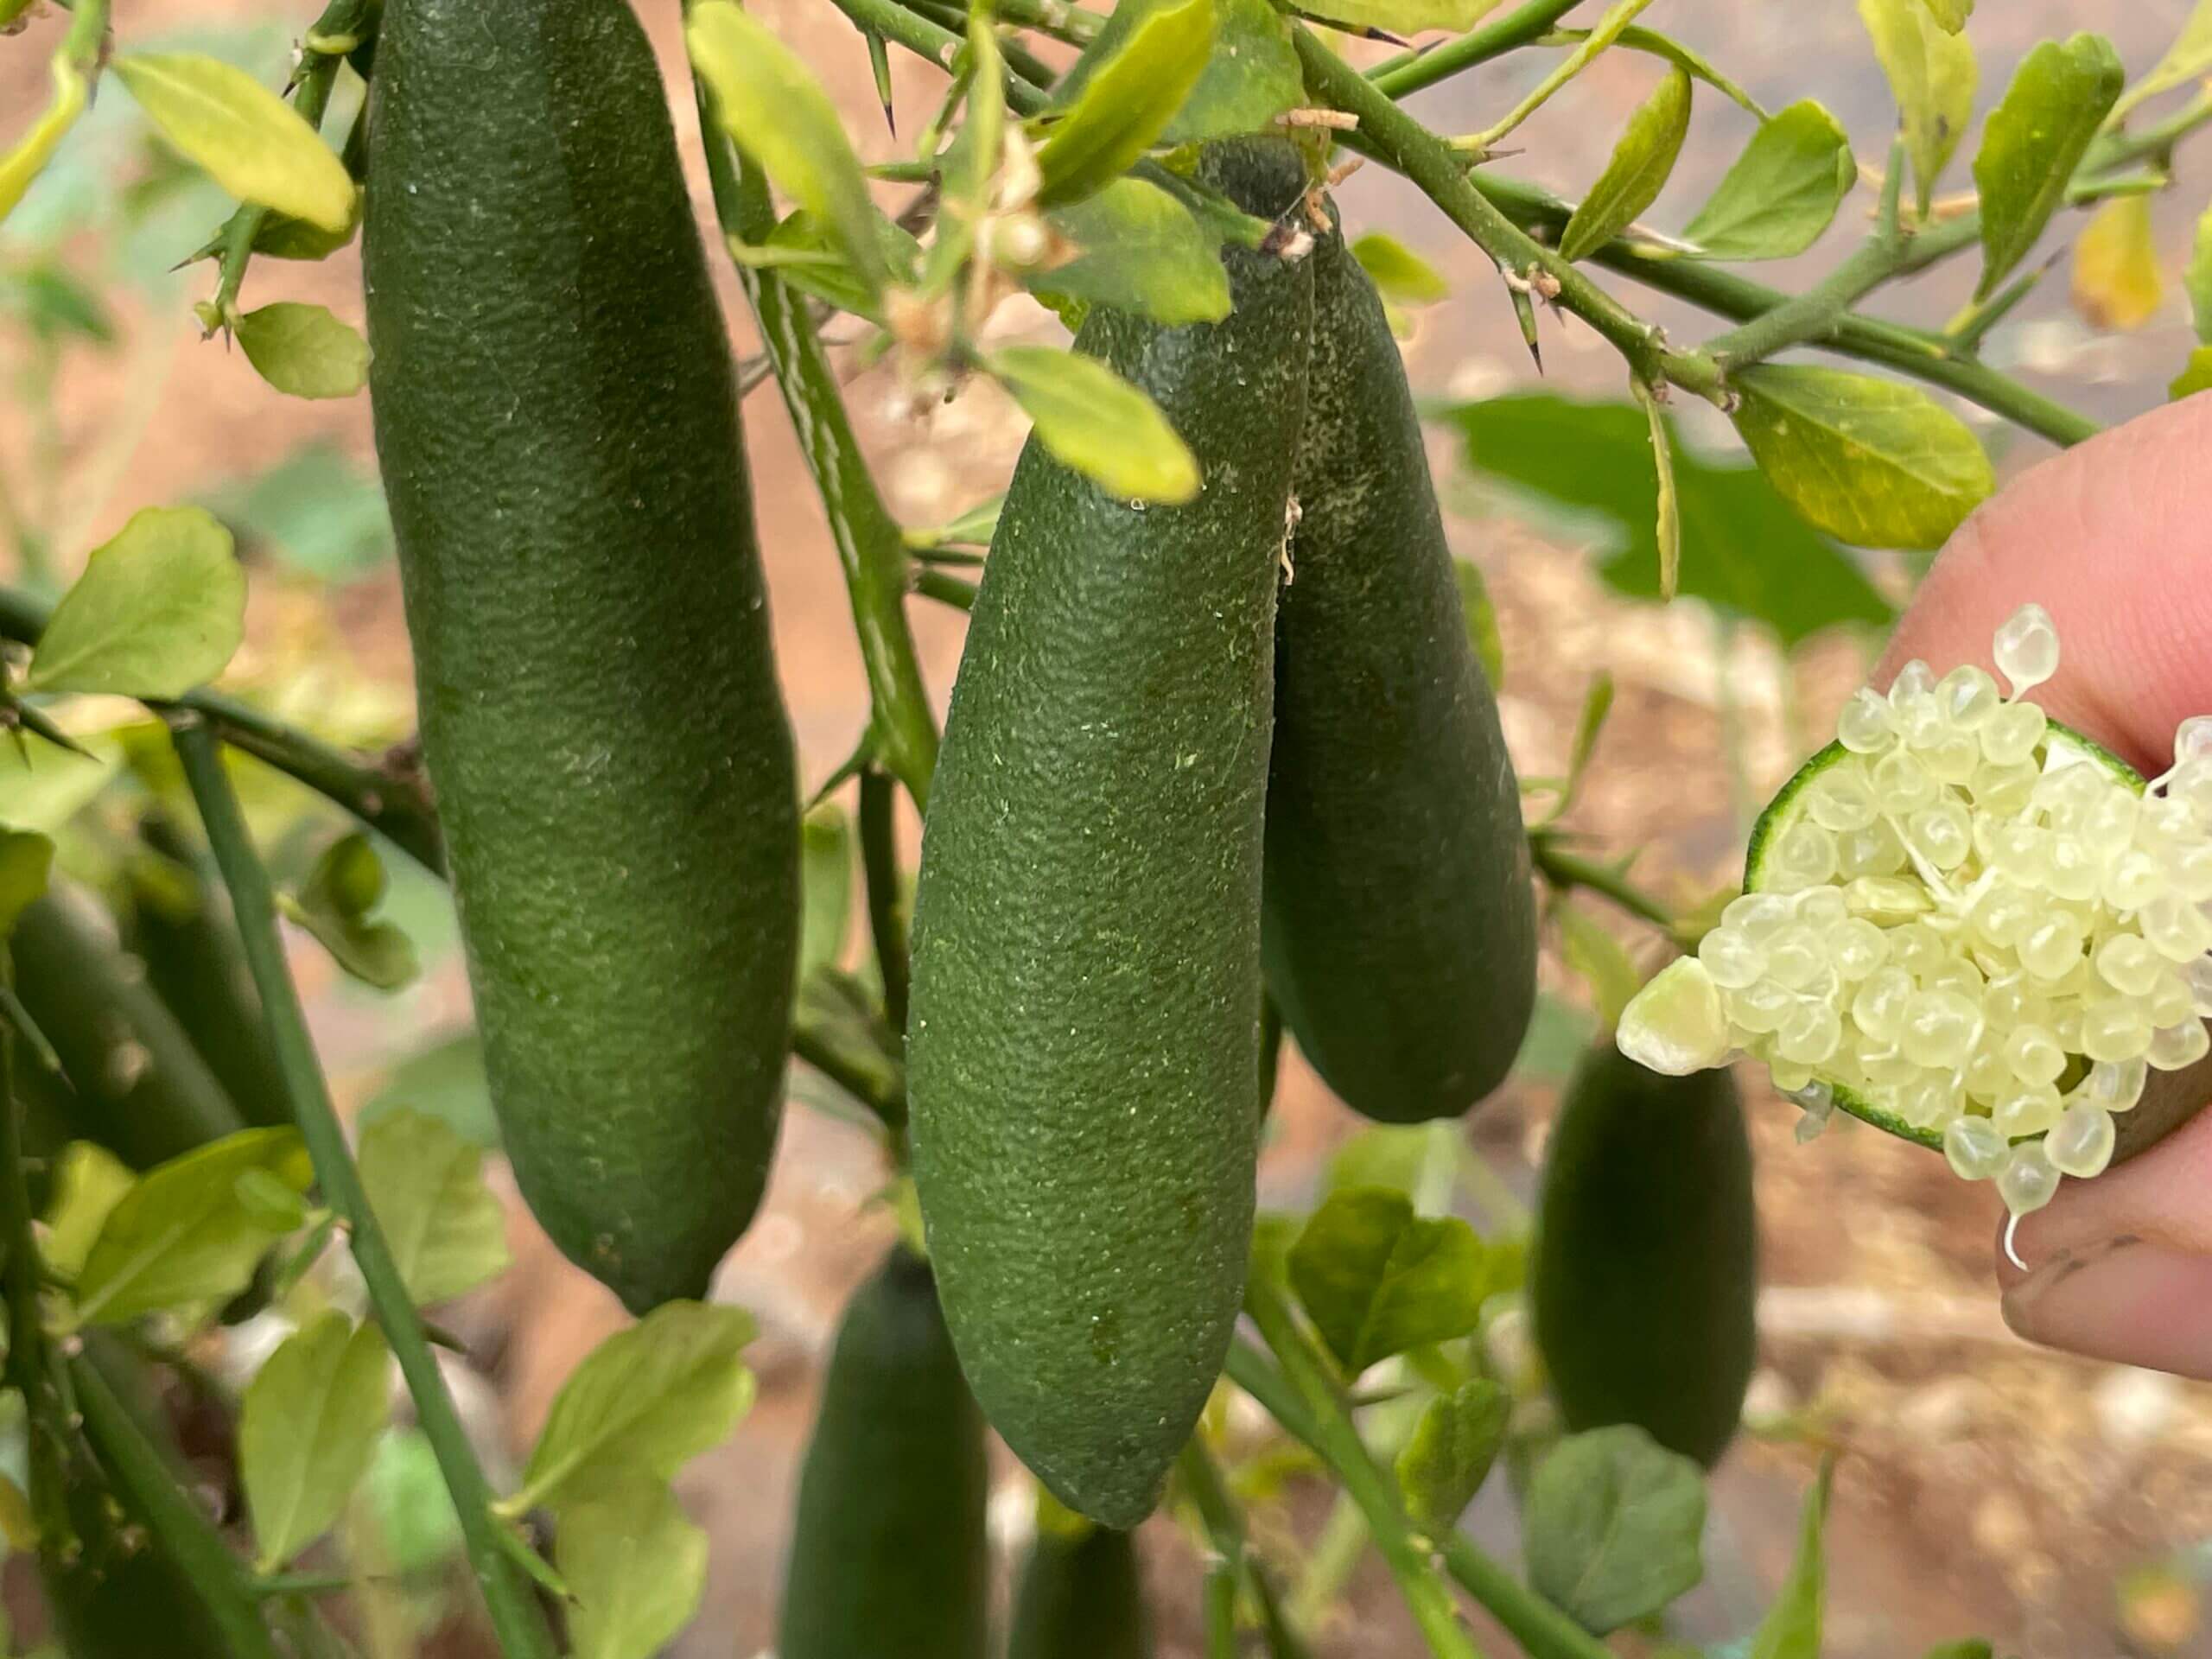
<point>241,134</point>
<point>2187,59</point>
<point>182,1236</point>
<point>1449,1452</point>
<point>2033,141</point>
<point>2196,281</point>
<point>769,103</point>
<point>1481,618</point>
<point>1396,1156</point>
<point>1126,105</point>
<point>303,350</point>
<point>446,1228</point>
<point>1667,529</point>
<point>307,1430</point>
<point>27,159</point>
<point>45,786</point>
<point>1399,16</point>
<point>1791,1628</point>
<point>345,883</point>
<point>88,1182</point>
<point>157,611</point>
<point>1377,1279</point>
<point>1139,250</point>
<point>1251,77</point>
<point>1611,1527</point>
<point>2195,375</point>
<point>2116,282</point>
<point>1398,274</point>
<point>1877,462</point>
<point>26,861</point>
<point>1096,423</point>
<point>1783,191</point>
<point>648,1398</point>
<point>1950,16</point>
<point>1931,74</point>
<point>634,1564</point>
<point>1636,173</point>
<point>825,886</point>
<point>1601,960</point>
<point>805,253</point>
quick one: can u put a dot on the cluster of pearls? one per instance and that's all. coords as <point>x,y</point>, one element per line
<point>1985,933</point>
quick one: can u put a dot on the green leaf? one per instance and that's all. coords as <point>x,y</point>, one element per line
<point>269,1203</point>
<point>28,158</point>
<point>1399,17</point>
<point>404,1497</point>
<point>182,1236</point>
<point>443,1079</point>
<point>1449,1452</point>
<point>1139,250</point>
<point>1634,38</point>
<point>446,1228</point>
<point>2187,58</point>
<point>804,249</point>
<point>1481,618</point>
<point>1746,551</point>
<point>2033,141</point>
<point>1877,462</point>
<point>346,883</point>
<point>2194,378</point>
<point>2116,283</point>
<point>1601,960</point>
<point>1791,1628</point>
<point>88,1182</point>
<point>1377,1279</point>
<point>2196,281</point>
<point>317,511</point>
<point>1393,1155</point>
<point>1950,16</point>
<point>157,611</point>
<point>1932,75</point>
<point>634,1563</point>
<point>1589,727</point>
<point>26,861</point>
<point>1398,274</point>
<point>826,886</point>
<point>303,350</point>
<point>1126,105</point>
<point>1784,190</point>
<point>1098,423</point>
<point>1611,1527</point>
<point>1636,172</point>
<point>648,1398</point>
<point>242,134</point>
<point>282,237</point>
<point>769,103</point>
<point>1252,77</point>
<point>306,1431</point>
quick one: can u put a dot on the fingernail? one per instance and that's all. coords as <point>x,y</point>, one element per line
<point>2129,1300</point>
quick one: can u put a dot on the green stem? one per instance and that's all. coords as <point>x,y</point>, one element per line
<point>879,878</point>
<point>389,795</point>
<point>169,1513</point>
<point>1565,869</point>
<point>945,588</point>
<point>1543,1630</point>
<point>1225,1531</point>
<point>1304,1398</point>
<point>516,1617</point>
<point>1406,146</point>
<point>1408,72</point>
<point>1617,17</point>
<point>1072,24</point>
<point>870,548</point>
<point>879,1089</point>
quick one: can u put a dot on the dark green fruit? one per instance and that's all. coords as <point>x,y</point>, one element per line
<point>557,423</point>
<point>1401,923</point>
<point>136,1085</point>
<point>888,1552</point>
<point>1083,1042</point>
<point>1080,1597</point>
<point>1647,1254</point>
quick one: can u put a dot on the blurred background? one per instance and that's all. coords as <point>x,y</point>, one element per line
<point>2056,1506</point>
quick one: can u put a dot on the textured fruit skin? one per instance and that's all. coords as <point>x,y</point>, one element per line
<point>1647,1254</point>
<point>1400,934</point>
<point>556,420</point>
<point>1084,1040</point>
<point>1080,1599</point>
<point>888,1551</point>
<point>140,1089</point>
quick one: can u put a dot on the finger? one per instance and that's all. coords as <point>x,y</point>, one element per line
<point>2114,538</point>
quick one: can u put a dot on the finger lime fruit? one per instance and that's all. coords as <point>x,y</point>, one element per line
<point>137,1086</point>
<point>1086,1016</point>
<point>1646,1263</point>
<point>888,1551</point>
<point>1080,1596</point>
<point>557,418</point>
<point>1400,934</point>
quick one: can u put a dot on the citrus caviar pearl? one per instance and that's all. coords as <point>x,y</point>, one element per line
<point>1974,1148</point>
<point>1887,898</point>
<point>1842,798</point>
<point>1915,681</point>
<point>2026,648</point>
<point>2199,976</point>
<point>1857,947</point>
<point>2134,879</point>
<point>2080,1143</point>
<point>1731,958</point>
<point>1865,726</point>
<point>1967,696</point>
<point>1759,1007</point>
<point>2034,1055</point>
<point>2010,735</point>
<point>2114,1030</point>
<point>2175,928</point>
<point>2027,1180</point>
<point>1878,1008</point>
<point>1804,856</point>
<point>2116,1087</point>
<point>1939,1029</point>
<point>1953,758</point>
<point>2052,945</point>
<point>2002,915</point>
<point>1756,914</point>
<point>2172,1047</point>
<point>2128,965</point>
<point>1902,783</point>
<point>1939,833</point>
<point>2169,1002</point>
<point>1810,1033</point>
<point>1821,908</point>
<point>1875,850</point>
<point>2029,1110</point>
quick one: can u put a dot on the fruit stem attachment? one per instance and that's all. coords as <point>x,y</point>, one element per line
<point>517,1619</point>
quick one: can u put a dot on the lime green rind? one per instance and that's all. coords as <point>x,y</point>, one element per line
<point>1770,823</point>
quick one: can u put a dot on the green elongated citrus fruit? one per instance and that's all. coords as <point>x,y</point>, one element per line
<point>888,1552</point>
<point>136,1085</point>
<point>1646,1265</point>
<point>1085,1011</point>
<point>1080,1596</point>
<point>557,423</point>
<point>1401,926</point>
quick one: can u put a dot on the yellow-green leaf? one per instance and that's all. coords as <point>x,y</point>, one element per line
<point>1251,77</point>
<point>2194,378</point>
<point>30,153</point>
<point>307,1430</point>
<point>1377,1279</point>
<point>1126,105</point>
<point>1398,274</point>
<point>89,1181</point>
<point>1444,1461</point>
<point>157,611</point>
<point>1784,190</point>
<point>635,1564</point>
<point>242,134</point>
<point>1139,250</point>
<point>446,1228</point>
<point>1098,423</point>
<point>304,351</point>
<point>1876,463</point>
<point>2197,279</point>
<point>2189,57</point>
<point>1950,16</point>
<point>1637,169</point>
<point>769,103</point>
<point>1399,16</point>
<point>2116,282</point>
<point>1931,74</point>
<point>2033,141</point>
<point>26,860</point>
<point>1791,1628</point>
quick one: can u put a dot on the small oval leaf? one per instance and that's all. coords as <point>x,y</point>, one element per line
<point>304,351</point>
<point>1098,423</point>
<point>242,134</point>
<point>1637,173</point>
<point>1376,1278</point>
<point>1612,1527</point>
<point>446,1228</point>
<point>1784,190</point>
<point>307,1430</point>
<point>1932,73</point>
<point>634,1564</point>
<point>1139,250</point>
<point>1126,105</point>
<point>2116,283</point>
<point>2033,141</point>
<point>157,611</point>
<point>1449,1452</point>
